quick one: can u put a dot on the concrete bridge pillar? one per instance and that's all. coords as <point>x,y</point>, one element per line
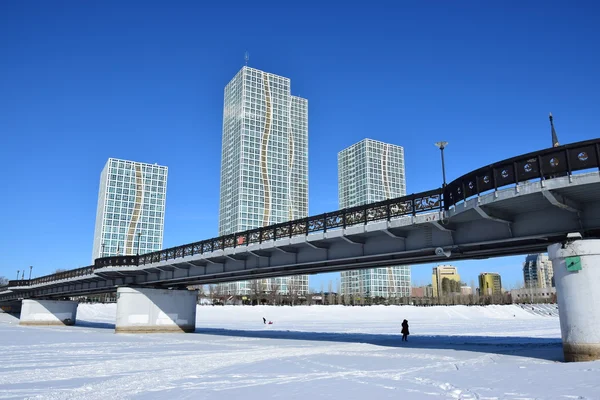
<point>577,277</point>
<point>48,312</point>
<point>142,310</point>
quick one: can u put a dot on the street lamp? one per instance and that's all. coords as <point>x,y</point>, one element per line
<point>18,273</point>
<point>442,146</point>
<point>30,268</point>
<point>139,235</point>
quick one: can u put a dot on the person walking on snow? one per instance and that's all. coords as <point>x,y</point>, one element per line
<point>264,320</point>
<point>404,331</point>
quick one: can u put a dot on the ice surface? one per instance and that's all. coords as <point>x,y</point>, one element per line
<point>318,352</point>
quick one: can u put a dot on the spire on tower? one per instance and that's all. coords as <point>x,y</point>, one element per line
<point>246,57</point>
<point>554,136</point>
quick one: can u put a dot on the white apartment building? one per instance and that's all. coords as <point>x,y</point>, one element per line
<point>131,208</point>
<point>264,161</point>
<point>370,171</point>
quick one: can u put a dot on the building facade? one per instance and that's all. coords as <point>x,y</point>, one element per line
<point>370,171</point>
<point>437,279</point>
<point>490,284</point>
<point>131,208</point>
<point>534,295</point>
<point>264,160</point>
<point>538,271</point>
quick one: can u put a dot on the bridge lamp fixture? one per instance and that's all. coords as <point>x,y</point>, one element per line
<point>139,235</point>
<point>442,146</point>
<point>18,273</point>
<point>30,268</point>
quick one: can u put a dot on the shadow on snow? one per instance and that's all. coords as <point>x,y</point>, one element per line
<point>542,348</point>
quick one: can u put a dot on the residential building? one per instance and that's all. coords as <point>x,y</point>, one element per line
<point>538,271</point>
<point>264,162</point>
<point>466,290</point>
<point>370,171</point>
<point>422,291</point>
<point>131,208</point>
<point>533,295</point>
<point>490,284</point>
<point>437,279</point>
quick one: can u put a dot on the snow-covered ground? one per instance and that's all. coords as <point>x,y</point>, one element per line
<point>335,352</point>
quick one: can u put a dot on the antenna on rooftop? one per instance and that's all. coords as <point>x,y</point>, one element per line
<point>246,57</point>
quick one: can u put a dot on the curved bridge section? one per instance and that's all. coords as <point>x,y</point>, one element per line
<point>515,206</point>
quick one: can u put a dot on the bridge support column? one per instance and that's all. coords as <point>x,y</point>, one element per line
<point>48,312</point>
<point>577,277</point>
<point>142,310</point>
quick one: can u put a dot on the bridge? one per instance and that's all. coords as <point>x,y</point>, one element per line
<point>515,206</point>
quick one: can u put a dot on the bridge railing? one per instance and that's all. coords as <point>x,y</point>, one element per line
<point>360,215</point>
<point>543,164</point>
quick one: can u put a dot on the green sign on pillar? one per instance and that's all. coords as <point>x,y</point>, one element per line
<point>573,263</point>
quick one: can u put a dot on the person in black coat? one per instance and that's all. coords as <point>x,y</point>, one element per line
<point>404,331</point>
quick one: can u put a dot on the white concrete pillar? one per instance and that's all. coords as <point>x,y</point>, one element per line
<point>577,278</point>
<point>141,310</point>
<point>48,312</point>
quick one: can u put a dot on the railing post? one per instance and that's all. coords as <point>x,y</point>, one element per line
<point>540,167</point>
<point>291,228</point>
<point>306,227</point>
<point>568,158</point>
<point>344,218</point>
<point>324,222</point>
<point>515,172</point>
<point>388,211</point>
<point>598,155</point>
<point>494,179</point>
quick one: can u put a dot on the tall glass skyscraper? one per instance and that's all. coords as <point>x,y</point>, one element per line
<point>131,208</point>
<point>370,171</point>
<point>264,161</point>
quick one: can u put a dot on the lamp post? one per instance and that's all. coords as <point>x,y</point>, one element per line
<point>139,235</point>
<point>18,273</point>
<point>30,268</point>
<point>442,146</point>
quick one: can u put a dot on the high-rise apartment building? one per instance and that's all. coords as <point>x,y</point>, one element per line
<point>538,271</point>
<point>131,208</point>
<point>264,161</point>
<point>490,284</point>
<point>370,171</point>
<point>437,279</point>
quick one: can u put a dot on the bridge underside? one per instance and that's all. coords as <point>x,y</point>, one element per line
<point>520,220</point>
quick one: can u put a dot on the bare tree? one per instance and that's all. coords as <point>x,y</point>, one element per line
<point>274,293</point>
<point>257,288</point>
<point>309,297</point>
<point>3,281</point>
<point>59,270</point>
<point>330,294</point>
<point>338,290</point>
<point>293,288</point>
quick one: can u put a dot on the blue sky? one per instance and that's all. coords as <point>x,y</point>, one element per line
<point>143,80</point>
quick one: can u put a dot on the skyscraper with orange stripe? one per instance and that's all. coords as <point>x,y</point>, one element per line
<point>370,171</point>
<point>131,208</point>
<point>264,160</point>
